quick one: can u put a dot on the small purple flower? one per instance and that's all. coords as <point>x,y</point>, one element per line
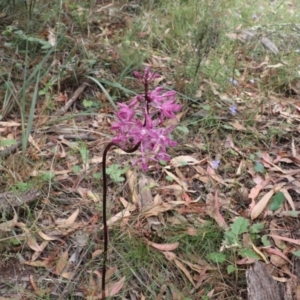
<point>215,164</point>
<point>233,81</point>
<point>233,109</point>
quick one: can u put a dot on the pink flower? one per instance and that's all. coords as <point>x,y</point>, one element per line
<point>138,124</point>
<point>147,77</point>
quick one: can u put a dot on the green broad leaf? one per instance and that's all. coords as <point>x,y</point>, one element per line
<point>14,242</point>
<point>84,153</point>
<point>169,178</point>
<point>227,127</point>
<point>256,228</point>
<point>42,92</point>
<point>4,143</point>
<point>91,62</point>
<point>114,171</point>
<point>19,32</point>
<point>76,169</point>
<point>47,176</point>
<point>276,201</point>
<point>23,186</point>
<point>116,178</point>
<point>97,175</point>
<point>252,157</point>
<point>231,238</point>
<point>206,107</point>
<point>293,213</point>
<point>237,72</point>
<point>231,269</point>
<point>296,253</point>
<point>162,162</point>
<point>259,168</point>
<point>46,45</point>
<point>88,103</point>
<point>183,129</point>
<point>216,257</point>
<point>266,242</point>
<point>239,226</point>
<point>248,253</point>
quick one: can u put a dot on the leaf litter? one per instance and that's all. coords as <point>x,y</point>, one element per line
<point>188,191</point>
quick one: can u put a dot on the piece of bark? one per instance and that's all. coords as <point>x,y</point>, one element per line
<point>11,199</point>
<point>261,286</point>
<point>10,150</point>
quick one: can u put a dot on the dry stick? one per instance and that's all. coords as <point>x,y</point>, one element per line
<point>105,229</point>
<point>77,93</point>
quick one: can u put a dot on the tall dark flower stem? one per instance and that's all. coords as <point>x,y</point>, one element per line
<point>105,228</point>
<point>149,136</point>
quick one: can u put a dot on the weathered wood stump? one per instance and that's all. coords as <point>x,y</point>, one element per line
<point>261,286</point>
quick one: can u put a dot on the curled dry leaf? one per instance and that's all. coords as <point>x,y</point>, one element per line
<point>145,196</point>
<point>37,263</point>
<point>277,261</point>
<point>213,209</point>
<point>282,238</point>
<point>36,254</point>
<point>46,237</point>
<point>8,225</point>
<point>67,275</point>
<point>131,207</point>
<point>32,243</point>
<point>288,198</point>
<point>163,247</point>
<point>256,190</point>
<point>261,205</point>
<point>259,253</point>
<point>185,271</point>
<point>112,289</point>
<point>131,179</point>
<point>154,211</point>
<point>183,184</point>
<point>184,160</point>
<point>122,214</point>
<point>69,221</point>
<point>170,255</point>
<point>280,279</point>
<point>191,231</point>
<point>275,231</point>
<point>96,253</point>
<point>61,263</point>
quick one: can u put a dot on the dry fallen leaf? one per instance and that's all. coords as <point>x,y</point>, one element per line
<point>61,263</point>
<point>185,271</point>
<point>36,254</point>
<point>184,160</point>
<point>46,237</point>
<point>32,243</point>
<point>69,221</point>
<point>132,180</point>
<point>163,247</point>
<point>8,225</point>
<point>261,205</point>
<point>282,238</point>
